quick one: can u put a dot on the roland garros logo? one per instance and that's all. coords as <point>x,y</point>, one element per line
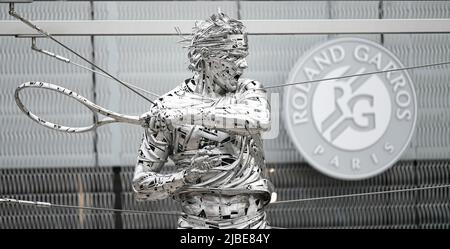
<point>356,127</point>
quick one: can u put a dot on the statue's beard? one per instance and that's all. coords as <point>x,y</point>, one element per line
<point>227,84</point>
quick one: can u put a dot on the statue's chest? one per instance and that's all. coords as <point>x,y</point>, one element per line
<point>195,137</point>
<point>181,99</point>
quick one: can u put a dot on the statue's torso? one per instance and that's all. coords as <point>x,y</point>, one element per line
<point>235,188</point>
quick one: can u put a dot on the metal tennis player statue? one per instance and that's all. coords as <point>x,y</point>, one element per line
<point>210,126</point>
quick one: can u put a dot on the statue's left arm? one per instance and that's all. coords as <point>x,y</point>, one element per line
<point>246,111</point>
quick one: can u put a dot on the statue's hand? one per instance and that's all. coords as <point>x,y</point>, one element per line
<point>162,118</point>
<point>200,165</point>
<point>153,119</point>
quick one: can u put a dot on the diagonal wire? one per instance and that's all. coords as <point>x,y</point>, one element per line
<point>67,60</point>
<point>360,74</point>
<point>361,194</point>
<point>50,205</point>
<point>106,76</point>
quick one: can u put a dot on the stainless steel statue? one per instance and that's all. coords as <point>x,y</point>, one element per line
<point>210,126</point>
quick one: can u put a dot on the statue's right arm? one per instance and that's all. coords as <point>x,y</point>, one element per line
<point>148,183</point>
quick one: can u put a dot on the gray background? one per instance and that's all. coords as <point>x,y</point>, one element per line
<point>42,164</point>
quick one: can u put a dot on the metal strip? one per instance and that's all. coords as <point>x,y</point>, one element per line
<point>256,27</point>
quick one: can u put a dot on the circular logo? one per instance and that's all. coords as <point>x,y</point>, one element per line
<point>352,127</point>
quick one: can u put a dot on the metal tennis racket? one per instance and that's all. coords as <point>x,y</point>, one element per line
<point>112,117</point>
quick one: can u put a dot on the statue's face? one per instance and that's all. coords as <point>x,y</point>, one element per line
<point>227,70</point>
<point>226,67</point>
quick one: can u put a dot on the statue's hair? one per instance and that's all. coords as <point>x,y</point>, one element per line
<point>211,37</point>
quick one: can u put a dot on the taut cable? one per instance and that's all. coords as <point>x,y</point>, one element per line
<point>361,194</point>
<point>50,205</point>
<point>360,74</point>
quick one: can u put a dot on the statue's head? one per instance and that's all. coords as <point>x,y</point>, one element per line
<point>219,46</point>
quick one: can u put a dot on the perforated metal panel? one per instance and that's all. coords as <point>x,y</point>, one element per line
<point>94,187</point>
<point>90,187</point>
<point>414,209</point>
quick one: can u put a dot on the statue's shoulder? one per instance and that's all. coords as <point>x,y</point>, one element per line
<point>248,84</point>
<point>173,96</point>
